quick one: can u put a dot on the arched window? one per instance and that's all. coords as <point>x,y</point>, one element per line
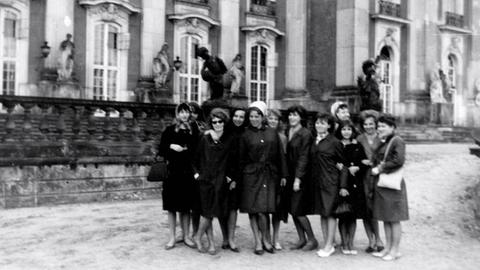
<point>8,51</point>
<point>106,62</point>
<point>190,86</point>
<point>452,71</point>
<point>258,73</point>
<point>385,73</point>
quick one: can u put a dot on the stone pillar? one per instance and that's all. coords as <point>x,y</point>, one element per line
<point>153,33</point>
<point>352,40</point>
<point>58,23</point>
<point>230,30</point>
<point>296,48</point>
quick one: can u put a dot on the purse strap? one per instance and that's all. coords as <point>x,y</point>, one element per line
<point>388,148</point>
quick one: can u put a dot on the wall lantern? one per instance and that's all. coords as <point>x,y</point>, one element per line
<point>177,63</point>
<point>45,49</point>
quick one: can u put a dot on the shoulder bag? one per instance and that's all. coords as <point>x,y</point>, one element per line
<point>158,172</point>
<point>391,180</point>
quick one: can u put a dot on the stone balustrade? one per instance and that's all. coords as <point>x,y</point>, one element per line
<point>389,8</point>
<point>56,150</point>
<point>263,7</point>
<point>454,19</point>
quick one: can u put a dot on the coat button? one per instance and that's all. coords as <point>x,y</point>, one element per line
<point>264,185</point>
<point>261,141</point>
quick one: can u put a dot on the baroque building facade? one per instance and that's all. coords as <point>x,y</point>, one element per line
<point>293,51</point>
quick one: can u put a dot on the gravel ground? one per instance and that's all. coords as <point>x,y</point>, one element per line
<point>131,235</point>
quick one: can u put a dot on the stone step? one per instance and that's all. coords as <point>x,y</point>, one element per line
<point>430,133</point>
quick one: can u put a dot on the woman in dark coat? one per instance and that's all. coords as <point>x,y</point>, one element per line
<point>327,178</point>
<point>370,141</point>
<point>262,166</point>
<point>213,163</point>
<point>228,223</point>
<point>389,205</point>
<point>354,192</point>
<point>176,146</point>
<point>298,186</point>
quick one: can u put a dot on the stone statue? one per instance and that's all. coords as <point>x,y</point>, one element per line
<point>436,87</point>
<point>212,72</point>
<point>161,67</point>
<point>236,74</point>
<point>368,87</point>
<point>65,59</point>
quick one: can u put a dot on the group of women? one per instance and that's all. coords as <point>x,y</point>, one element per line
<point>254,165</point>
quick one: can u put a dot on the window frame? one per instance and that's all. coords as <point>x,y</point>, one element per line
<point>259,82</point>
<point>6,59</point>
<point>186,95</point>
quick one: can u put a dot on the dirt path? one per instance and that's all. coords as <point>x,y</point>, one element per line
<point>131,235</point>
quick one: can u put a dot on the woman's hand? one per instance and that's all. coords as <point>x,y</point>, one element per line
<point>177,148</point>
<point>375,171</point>
<point>233,185</point>
<point>353,170</point>
<point>367,162</point>
<point>339,166</point>
<point>283,182</point>
<point>296,184</point>
<point>196,176</point>
<point>343,192</point>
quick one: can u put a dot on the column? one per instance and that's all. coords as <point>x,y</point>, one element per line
<point>295,58</point>
<point>153,33</point>
<point>230,30</point>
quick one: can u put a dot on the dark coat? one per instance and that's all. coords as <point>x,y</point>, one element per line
<point>368,179</point>
<point>262,165</point>
<point>213,162</point>
<point>298,148</point>
<point>326,178</point>
<point>354,154</point>
<point>389,204</point>
<point>178,189</point>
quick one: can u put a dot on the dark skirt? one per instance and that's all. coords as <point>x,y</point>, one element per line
<point>325,201</point>
<point>213,199</point>
<point>178,192</point>
<point>282,204</point>
<point>358,200</point>
<point>390,205</point>
<point>300,201</point>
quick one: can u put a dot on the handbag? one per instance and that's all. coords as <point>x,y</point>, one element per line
<point>344,208</point>
<point>158,172</point>
<point>391,180</point>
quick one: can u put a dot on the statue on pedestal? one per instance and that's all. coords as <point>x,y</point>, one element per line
<point>65,60</point>
<point>368,87</point>
<point>236,74</point>
<point>436,86</point>
<point>212,72</point>
<point>161,67</point>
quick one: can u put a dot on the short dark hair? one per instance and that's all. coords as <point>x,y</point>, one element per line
<point>346,123</point>
<point>387,119</point>
<point>302,112</point>
<point>183,107</point>
<point>341,107</point>
<point>324,117</point>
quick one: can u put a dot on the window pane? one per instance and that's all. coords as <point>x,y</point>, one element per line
<point>8,79</point>
<point>98,84</point>
<point>195,62</point>
<point>253,92</point>
<point>183,89</point>
<point>183,54</point>
<point>254,63</point>
<point>99,40</point>
<point>112,45</point>
<point>112,85</point>
<point>194,89</point>
<point>9,35</point>
<point>263,64</point>
<point>263,92</point>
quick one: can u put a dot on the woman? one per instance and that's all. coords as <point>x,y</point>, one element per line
<point>262,165</point>
<point>354,192</point>
<point>327,178</point>
<point>298,186</point>
<point>213,172</point>
<point>273,119</point>
<point>176,146</point>
<point>229,222</point>
<point>389,205</point>
<point>370,141</point>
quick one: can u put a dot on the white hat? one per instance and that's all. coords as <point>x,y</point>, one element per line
<point>334,107</point>
<point>260,105</point>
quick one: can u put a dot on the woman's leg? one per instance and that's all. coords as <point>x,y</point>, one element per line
<point>367,224</point>
<point>396,236</point>
<point>256,232</point>
<point>223,221</point>
<point>388,237</point>
<point>172,223</point>
<point>202,228</point>
<point>307,228</point>
<point>195,217</point>
<point>185,222</point>
<point>376,232</point>
<point>331,224</point>
<point>211,241</point>
<point>352,227</point>
<point>276,229</point>
<point>302,240</point>
<point>324,225</point>
<point>263,224</point>
<point>232,223</point>
<point>343,228</point>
